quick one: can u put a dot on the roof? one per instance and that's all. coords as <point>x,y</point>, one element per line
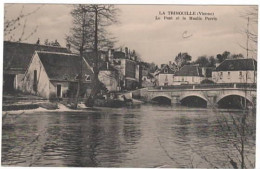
<point>189,70</point>
<point>17,56</point>
<point>170,70</point>
<point>63,66</point>
<point>237,65</point>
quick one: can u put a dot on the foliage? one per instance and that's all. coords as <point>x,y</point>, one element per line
<point>205,61</point>
<point>207,81</point>
<point>182,59</point>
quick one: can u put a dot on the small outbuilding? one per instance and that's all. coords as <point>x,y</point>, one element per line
<point>56,75</point>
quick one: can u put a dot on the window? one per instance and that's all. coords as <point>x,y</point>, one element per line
<point>240,75</point>
<point>165,70</point>
<point>35,80</point>
<point>221,75</point>
<point>87,77</point>
<point>228,75</point>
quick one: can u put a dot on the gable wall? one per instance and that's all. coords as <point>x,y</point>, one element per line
<point>43,83</point>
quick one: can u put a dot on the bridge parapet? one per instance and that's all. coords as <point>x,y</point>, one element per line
<point>212,93</point>
<point>207,86</point>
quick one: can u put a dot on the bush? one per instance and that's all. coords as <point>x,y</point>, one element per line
<point>207,81</point>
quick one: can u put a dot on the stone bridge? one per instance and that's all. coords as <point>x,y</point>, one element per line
<point>212,94</point>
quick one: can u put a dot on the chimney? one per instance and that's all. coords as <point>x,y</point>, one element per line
<point>38,41</point>
<point>126,52</point>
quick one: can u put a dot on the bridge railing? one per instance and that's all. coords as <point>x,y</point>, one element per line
<point>207,86</point>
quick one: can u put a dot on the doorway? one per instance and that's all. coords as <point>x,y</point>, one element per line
<point>58,90</point>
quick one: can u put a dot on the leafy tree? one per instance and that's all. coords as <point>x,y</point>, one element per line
<point>212,61</point>
<point>237,56</point>
<point>223,56</point>
<point>202,61</point>
<point>182,59</point>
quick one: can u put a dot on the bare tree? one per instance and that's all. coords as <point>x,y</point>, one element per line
<point>89,33</point>
<point>250,31</point>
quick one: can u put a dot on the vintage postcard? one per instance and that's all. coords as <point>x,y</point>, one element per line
<point>148,86</point>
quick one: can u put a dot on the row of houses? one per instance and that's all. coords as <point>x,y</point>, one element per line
<point>53,71</point>
<point>229,71</point>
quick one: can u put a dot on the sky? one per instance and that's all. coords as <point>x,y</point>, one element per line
<point>157,41</point>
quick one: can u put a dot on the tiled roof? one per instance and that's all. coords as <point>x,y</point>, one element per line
<point>237,65</point>
<point>17,56</point>
<point>189,70</point>
<point>63,66</point>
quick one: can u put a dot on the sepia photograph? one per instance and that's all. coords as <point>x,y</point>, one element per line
<point>129,85</point>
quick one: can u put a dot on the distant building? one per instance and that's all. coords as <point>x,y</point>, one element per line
<point>236,71</point>
<point>125,62</point>
<point>191,74</point>
<point>148,80</point>
<point>166,75</point>
<point>55,75</point>
<point>109,76</point>
<point>128,67</point>
<point>16,59</point>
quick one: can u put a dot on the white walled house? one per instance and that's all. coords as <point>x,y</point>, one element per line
<point>191,74</point>
<point>52,74</point>
<point>236,71</point>
<point>166,76</point>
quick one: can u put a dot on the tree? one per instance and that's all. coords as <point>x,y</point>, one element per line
<point>212,61</point>
<point>89,33</point>
<point>237,56</point>
<point>203,61</point>
<point>250,31</point>
<point>182,59</point>
<point>223,56</point>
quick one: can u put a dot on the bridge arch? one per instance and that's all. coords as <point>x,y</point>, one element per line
<point>241,94</point>
<point>162,99</point>
<point>235,99</point>
<point>194,100</point>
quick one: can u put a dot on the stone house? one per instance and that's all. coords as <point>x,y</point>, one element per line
<point>109,76</point>
<point>16,59</point>
<point>128,67</point>
<point>236,71</point>
<point>55,75</point>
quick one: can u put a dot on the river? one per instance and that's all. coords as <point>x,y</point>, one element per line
<point>145,136</point>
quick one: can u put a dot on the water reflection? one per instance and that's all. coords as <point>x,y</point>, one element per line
<point>148,136</point>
